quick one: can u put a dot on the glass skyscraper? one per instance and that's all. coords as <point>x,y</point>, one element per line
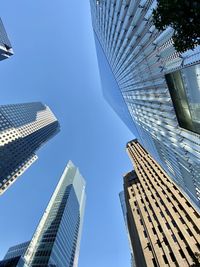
<point>152,87</point>
<point>16,251</point>
<point>24,128</point>
<point>56,241</point>
<point>14,256</point>
<point>5,45</point>
<point>124,211</point>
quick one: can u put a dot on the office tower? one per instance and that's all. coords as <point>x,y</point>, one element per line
<point>5,45</point>
<point>56,241</point>
<point>14,256</point>
<point>18,250</point>
<point>154,89</point>
<point>164,227</point>
<point>124,211</point>
<point>24,128</point>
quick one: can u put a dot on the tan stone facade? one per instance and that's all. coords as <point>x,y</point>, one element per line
<point>164,226</point>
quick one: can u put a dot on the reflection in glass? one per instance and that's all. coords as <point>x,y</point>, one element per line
<point>184,88</point>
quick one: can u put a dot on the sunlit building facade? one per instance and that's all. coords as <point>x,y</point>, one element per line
<point>5,45</point>
<point>24,128</point>
<point>163,225</point>
<point>155,90</point>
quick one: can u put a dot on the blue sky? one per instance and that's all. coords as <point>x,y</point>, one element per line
<point>55,62</point>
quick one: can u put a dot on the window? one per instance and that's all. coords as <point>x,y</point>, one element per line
<point>184,88</point>
<point>154,262</point>
<point>174,238</point>
<point>165,259</point>
<point>189,232</point>
<point>145,233</point>
<point>160,228</point>
<point>182,254</point>
<point>180,235</point>
<point>172,256</point>
<point>159,244</point>
<point>154,231</point>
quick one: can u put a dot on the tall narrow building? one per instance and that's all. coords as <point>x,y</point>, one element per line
<point>124,211</point>
<point>5,45</point>
<point>163,225</point>
<point>154,89</point>
<point>24,128</point>
<point>56,241</point>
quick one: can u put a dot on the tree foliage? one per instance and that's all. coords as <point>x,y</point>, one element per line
<point>184,17</point>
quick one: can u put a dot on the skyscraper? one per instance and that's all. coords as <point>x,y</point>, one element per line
<point>163,225</point>
<point>154,89</point>
<point>56,241</point>
<point>5,45</point>
<point>16,251</point>
<point>124,211</point>
<point>23,129</point>
<point>14,256</point>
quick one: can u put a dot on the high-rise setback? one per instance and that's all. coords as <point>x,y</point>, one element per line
<point>5,46</point>
<point>163,225</point>
<point>24,128</point>
<point>152,87</point>
<point>56,241</point>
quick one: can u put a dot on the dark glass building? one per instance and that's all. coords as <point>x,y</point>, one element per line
<point>5,45</point>
<point>16,251</point>
<point>24,128</point>
<point>14,256</point>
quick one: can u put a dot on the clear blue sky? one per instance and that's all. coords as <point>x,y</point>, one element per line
<point>55,62</point>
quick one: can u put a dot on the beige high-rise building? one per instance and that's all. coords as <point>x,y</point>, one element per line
<point>164,226</point>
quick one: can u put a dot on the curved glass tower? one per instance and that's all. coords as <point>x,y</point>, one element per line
<point>156,90</point>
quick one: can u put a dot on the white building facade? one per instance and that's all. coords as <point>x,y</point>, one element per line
<point>161,88</point>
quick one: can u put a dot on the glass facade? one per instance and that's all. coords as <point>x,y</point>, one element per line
<point>184,87</point>
<point>111,90</point>
<point>24,128</point>
<point>5,45</point>
<point>56,241</point>
<point>140,58</point>
<point>16,251</point>
<point>124,210</point>
<point>12,262</point>
<point>14,256</point>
